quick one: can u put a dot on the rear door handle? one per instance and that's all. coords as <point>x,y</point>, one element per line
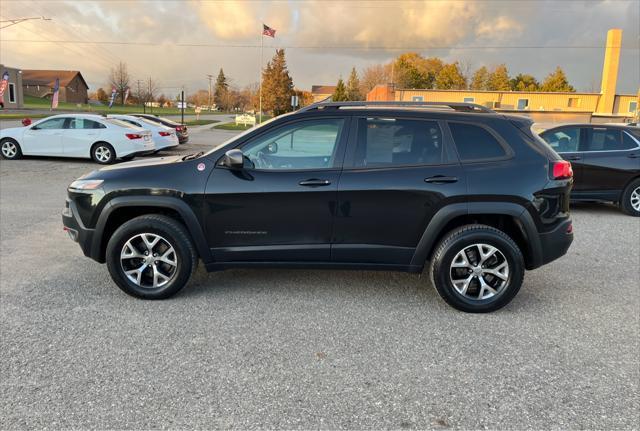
<point>440,179</point>
<point>573,158</point>
<point>634,156</point>
<point>313,182</point>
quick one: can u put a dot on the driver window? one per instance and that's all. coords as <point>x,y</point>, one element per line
<point>302,145</point>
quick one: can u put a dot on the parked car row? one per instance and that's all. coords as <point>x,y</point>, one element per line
<point>104,139</point>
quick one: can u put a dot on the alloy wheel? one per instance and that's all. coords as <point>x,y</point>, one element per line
<point>9,149</point>
<point>149,260</point>
<point>103,154</point>
<point>635,199</point>
<point>479,271</point>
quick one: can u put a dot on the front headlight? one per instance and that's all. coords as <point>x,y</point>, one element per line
<point>86,184</point>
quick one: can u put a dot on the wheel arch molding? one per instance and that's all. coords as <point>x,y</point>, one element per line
<point>451,216</point>
<point>154,204</point>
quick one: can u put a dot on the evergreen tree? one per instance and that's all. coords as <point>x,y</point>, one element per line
<point>450,78</point>
<point>480,79</point>
<point>353,86</point>
<point>277,85</point>
<point>340,95</point>
<point>221,89</point>
<point>556,81</point>
<point>524,82</point>
<point>499,79</point>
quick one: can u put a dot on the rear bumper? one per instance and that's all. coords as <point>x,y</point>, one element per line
<point>556,243</point>
<point>183,139</point>
<point>75,228</point>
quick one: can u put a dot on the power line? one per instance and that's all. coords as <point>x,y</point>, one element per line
<point>20,20</point>
<point>342,47</point>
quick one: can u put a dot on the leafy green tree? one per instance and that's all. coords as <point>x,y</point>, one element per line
<point>340,95</point>
<point>524,82</point>
<point>277,85</point>
<point>353,86</point>
<point>499,79</point>
<point>480,79</point>
<point>450,78</point>
<point>221,90</point>
<point>556,81</point>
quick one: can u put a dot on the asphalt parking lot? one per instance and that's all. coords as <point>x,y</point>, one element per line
<point>307,349</point>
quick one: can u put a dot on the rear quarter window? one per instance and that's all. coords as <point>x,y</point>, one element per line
<point>475,142</point>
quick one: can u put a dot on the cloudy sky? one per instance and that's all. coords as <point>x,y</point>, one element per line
<point>179,42</point>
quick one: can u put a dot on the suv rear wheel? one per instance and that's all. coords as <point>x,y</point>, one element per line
<point>477,268</point>
<point>151,257</point>
<point>630,202</point>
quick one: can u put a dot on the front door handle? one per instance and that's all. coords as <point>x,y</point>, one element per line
<point>573,158</point>
<point>313,182</point>
<point>634,156</point>
<point>441,179</point>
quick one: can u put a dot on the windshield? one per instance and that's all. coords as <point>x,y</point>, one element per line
<point>120,123</point>
<point>246,132</point>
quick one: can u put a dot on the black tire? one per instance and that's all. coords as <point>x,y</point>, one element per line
<point>468,236</point>
<point>630,197</point>
<point>103,153</point>
<point>10,149</point>
<point>174,234</point>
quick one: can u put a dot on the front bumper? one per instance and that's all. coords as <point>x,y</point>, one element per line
<point>75,228</point>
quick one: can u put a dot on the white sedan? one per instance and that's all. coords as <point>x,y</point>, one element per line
<point>164,137</point>
<point>77,135</point>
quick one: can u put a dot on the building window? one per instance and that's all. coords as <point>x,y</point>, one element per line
<point>523,104</point>
<point>417,99</point>
<point>574,102</point>
<point>633,106</point>
<point>469,100</point>
<point>12,93</point>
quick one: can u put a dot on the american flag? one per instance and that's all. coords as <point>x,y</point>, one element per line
<point>268,31</point>
<point>56,90</point>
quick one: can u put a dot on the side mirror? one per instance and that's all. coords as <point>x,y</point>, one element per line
<point>233,159</point>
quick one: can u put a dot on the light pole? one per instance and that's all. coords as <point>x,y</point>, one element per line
<point>9,22</point>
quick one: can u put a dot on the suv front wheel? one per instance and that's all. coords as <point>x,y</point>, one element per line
<point>151,257</point>
<point>477,268</point>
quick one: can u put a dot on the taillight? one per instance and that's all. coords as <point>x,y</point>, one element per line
<point>561,170</point>
<point>164,133</point>
<point>181,128</point>
<point>133,136</point>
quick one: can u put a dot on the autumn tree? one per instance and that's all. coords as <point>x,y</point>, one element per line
<point>340,95</point>
<point>411,70</point>
<point>277,85</point>
<point>101,95</point>
<point>524,82</point>
<point>305,98</point>
<point>199,98</point>
<point>556,81</point>
<point>450,78</point>
<point>119,78</point>
<point>374,75</point>
<point>353,86</point>
<point>480,79</point>
<point>498,79</point>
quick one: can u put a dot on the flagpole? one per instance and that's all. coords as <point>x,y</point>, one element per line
<point>261,47</point>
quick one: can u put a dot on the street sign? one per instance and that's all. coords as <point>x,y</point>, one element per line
<point>294,101</point>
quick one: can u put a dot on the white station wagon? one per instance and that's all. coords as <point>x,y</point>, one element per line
<point>77,135</point>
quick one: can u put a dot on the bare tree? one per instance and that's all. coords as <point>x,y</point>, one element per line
<point>120,79</point>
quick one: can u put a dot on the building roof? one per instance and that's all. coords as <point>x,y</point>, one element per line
<point>48,77</point>
<point>323,89</point>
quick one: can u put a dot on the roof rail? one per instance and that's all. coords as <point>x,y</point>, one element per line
<point>456,106</point>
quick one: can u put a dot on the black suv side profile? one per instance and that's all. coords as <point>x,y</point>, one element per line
<point>471,193</point>
<point>605,161</point>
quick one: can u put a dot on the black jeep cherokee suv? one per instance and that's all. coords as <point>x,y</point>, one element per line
<point>391,186</point>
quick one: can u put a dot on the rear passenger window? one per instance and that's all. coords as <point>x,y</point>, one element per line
<point>565,140</point>
<point>475,143</point>
<point>608,140</point>
<point>387,142</point>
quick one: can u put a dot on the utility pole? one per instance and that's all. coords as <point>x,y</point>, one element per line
<point>182,105</point>
<point>209,77</point>
<point>149,96</point>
